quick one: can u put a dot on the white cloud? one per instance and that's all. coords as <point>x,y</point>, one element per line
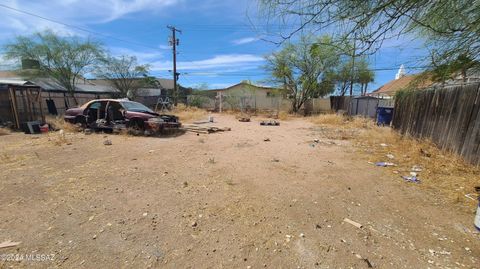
<point>245,40</point>
<point>73,12</point>
<point>220,62</point>
<point>120,8</point>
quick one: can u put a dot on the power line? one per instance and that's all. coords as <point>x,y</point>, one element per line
<point>77,27</point>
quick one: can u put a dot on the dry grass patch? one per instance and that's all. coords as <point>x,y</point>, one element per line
<point>58,123</point>
<point>441,170</point>
<point>328,119</point>
<point>189,114</point>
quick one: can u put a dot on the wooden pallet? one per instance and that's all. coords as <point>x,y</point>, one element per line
<point>204,129</point>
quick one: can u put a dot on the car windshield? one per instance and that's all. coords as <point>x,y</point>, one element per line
<point>136,107</point>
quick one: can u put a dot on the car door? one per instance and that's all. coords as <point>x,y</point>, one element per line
<point>91,112</point>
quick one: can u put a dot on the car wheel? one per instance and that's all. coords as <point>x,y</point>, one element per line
<point>136,127</point>
<point>80,122</point>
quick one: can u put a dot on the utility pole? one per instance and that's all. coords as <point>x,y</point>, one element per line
<point>174,42</point>
<point>353,65</point>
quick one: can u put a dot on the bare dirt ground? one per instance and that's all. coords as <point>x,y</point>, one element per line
<point>224,200</point>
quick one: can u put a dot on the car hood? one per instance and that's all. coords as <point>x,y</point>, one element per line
<point>145,115</point>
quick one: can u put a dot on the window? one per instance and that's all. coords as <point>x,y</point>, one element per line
<point>136,107</point>
<point>95,105</point>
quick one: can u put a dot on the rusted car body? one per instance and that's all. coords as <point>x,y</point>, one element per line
<point>118,114</point>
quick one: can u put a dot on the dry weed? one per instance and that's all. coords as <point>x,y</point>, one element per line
<point>59,138</point>
<point>328,119</point>
<point>441,170</point>
<point>189,114</point>
<point>58,123</point>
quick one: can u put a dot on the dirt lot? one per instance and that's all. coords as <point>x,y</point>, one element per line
<point>225,200</point>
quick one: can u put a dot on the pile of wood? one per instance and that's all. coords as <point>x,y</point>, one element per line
<point>204,129</point>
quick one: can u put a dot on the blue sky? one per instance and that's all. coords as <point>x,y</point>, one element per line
<point>219,45</point>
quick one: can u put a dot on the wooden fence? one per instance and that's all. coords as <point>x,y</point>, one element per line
<point>450,117</point>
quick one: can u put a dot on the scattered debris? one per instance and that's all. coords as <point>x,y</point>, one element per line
<point>413,179</point>
<point>204,129</point>
<point>384,164</point>
<point>383,145</point>
<point>369,264</point>
<point>244,119</point>
<point>202,122</point>
<point>107,142</point>
<point>471,196</point>
<point>270,123</point>
<point>8,244</point>
<point>416,168</point>
<point>425,153</point>
<point>476,221</point>
<point>354,223</point>
<point>390,156</point>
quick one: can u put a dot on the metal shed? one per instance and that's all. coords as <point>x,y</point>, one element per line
<point>364,106</point>
<point>20,101</point>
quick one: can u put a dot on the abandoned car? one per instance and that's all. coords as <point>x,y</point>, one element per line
<point>118,114</point>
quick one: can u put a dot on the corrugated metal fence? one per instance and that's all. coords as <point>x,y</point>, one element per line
<point>450,117</point>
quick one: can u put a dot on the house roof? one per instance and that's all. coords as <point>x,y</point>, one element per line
<point>49,84</point>
<point>164,83</point>
<point>245,83</point>
<point>82,85</point>
<point>395,85</point>
<point>16,82</point>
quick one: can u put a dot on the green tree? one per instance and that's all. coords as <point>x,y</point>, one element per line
<point>305,69</point>
<point>359,75</point>
<point>124,74</point>
<point>363,75</point>
<point>343,77</point>
<point>441,72</point>
<point>201,95</point>
<point>64,59</point>
<point>452,27</point>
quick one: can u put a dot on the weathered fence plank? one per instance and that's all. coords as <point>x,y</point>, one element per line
<point>450,117</point>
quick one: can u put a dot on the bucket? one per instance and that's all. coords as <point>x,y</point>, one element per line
<point>44,128</point>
